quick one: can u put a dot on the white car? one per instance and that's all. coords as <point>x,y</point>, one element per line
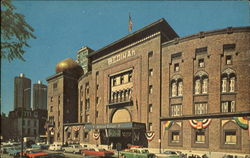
<point>55,147</point>
<point>72,148</point>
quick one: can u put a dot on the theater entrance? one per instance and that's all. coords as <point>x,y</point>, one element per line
<point>127,133</point>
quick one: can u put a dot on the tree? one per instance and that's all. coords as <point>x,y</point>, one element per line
<point>14,32</point>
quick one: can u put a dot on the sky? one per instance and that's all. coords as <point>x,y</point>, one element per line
<point>63,27</point>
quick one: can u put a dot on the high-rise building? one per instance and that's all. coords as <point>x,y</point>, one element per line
<point>39,96</point>
<point>22,92</point>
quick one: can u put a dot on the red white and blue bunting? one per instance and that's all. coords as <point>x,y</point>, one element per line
<point>76,128</point>
<point>96,135</point>
<point>200,124</point>
<point>150,135</point>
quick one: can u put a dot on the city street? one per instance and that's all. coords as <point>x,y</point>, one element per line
<point>68,155</point>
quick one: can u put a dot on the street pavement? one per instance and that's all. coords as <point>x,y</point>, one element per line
<point>68,155</point>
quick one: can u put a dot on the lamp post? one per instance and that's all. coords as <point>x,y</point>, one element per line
<point>26,89</point>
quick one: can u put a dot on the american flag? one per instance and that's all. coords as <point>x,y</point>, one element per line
<point>130,23</point>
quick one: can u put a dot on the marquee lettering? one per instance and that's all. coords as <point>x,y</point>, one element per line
<point>121,56</point>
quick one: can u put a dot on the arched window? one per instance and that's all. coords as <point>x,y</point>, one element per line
<point>180,85</point>
<point>197,86</point>
<point>174,89</point>
<point>228,81</point>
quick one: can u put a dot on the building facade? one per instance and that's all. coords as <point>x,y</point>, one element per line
<point>22,92</point>
<point>155,89</point>
<point>39,96</point>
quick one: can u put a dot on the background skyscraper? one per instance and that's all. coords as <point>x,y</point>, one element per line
<point>22,92</point>
<point>39,96</point>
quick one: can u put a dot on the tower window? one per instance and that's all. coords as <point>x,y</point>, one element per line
<point>228,59</point>
<point>176,67</point>
<point>201,63</point>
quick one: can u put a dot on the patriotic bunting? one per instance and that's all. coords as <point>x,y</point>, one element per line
<point>167,124</point>
<point>96,135</point>
<point>200,124</point>
<point>76,128</point>
<point>150,135</point>
<point>242,122</point>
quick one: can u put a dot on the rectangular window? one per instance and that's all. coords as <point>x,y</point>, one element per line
<point>54,85</point>
<point>228,60</point>
<point>175,136</point>
<point>150,126</point>
<point>150,108</point>
<point>51,99</point>
<point>34,123</point>
<point>200,108</point>
<point>34,131</point>
<point>81,104</point>
<point>228,106</point>
<point>28,122</point>
<point>86,134</point>
<point>87,118</point>
<point>176,67</point>
<point>97,86</point>
<point>230,137</point>
<point>51,108</point>
<point>23,122</point>
<point>150,89</point>
<point>201,63</point>
<point>28,131</point>
<point>176,110</point>
<point>150,73</point>
<point>114,82</point>
<point>122,79</point>
<point>199,137</point>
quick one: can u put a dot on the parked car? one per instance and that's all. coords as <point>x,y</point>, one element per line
<point>169,154</point>
<point>4,148</point>
<point>39,146</point>
<point>14,151</point>
<point>55,147</point>
<point>97,152</point>
<point>137,153</point>
<point>34,153</point>
<point>75,148</point>
<point>52,155</point>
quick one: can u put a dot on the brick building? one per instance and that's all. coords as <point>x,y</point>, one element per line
<point>155,89</point>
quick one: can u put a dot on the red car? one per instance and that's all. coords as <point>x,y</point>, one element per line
<point>97,152</point>
<point>34,154</point>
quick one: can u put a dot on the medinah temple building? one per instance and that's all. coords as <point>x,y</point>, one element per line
<point>155,89</point>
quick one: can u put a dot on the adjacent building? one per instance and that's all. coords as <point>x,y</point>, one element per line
<point>22,92</point>
<point>39,96</point>
<point>155,89</point>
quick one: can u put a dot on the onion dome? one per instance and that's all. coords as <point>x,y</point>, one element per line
<point>69,65</point>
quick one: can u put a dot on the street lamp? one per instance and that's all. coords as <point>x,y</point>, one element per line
<point>26,89</point>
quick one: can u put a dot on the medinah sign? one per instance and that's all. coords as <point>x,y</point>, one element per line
<point>121,56</point>
<point>155,89</point>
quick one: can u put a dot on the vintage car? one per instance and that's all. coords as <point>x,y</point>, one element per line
<point>74,148</point>
<point>34,153</point>
<point>13,151</point>
<point>169,154</point>
<point>97,152</point>
<point>52,155</point>
<point>137,153</point>
<point>55,147</point>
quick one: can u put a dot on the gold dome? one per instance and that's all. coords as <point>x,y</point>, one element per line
<point>68,65</point>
